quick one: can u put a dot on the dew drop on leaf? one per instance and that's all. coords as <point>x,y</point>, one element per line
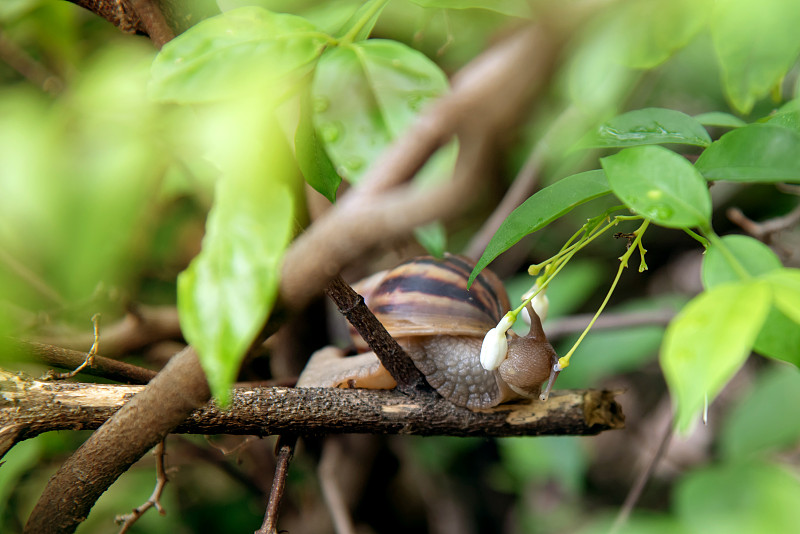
<point>330,132</point>
<point>321,104</point>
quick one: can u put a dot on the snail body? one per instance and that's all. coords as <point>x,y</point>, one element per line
<point>425,305</point>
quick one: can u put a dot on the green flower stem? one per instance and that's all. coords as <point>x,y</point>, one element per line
<point>703,241</point>
<point>563,362</point>
<point>377,5</point>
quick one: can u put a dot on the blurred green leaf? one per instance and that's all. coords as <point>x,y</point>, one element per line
<point>719,119</point>
<point>368,93</point>
<point>751,67</point>
<point>779,338</point>
<point>224,56</point>
<point>753,153</point>
<point>514,8</point>
<point>764,419</point>
<point>739,498</point>
<point>530,461</point>
<point>649,126</point>
<point>660,185</point>
<point>545,206</point>
<point>655,29</point>
<point>749,254</point>
<point>709,341</point>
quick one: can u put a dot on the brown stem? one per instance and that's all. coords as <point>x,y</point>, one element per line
<point>392,356</point>
<point>764,230</point>
<point>285,451</point>
<point>153,20</point>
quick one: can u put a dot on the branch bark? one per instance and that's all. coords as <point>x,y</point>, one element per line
<point>30,407</point>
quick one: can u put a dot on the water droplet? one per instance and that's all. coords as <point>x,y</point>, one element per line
<point>655,194</point>
<point>321,104</point>
<point>415,102</point>
<point>354,163</point>
<point>330,132</point>
<point>660,212</point>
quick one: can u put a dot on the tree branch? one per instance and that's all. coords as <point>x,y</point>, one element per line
<point>31,407</point>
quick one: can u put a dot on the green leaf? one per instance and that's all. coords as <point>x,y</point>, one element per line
<point>751,67</point>
<point>649,126</point>
<point>368,93</point>
<point>754,153</point>
<point>312,159</point>
<point>719,119</point>
<point>514,8</point>
<point>709,341</point>
<point>226,294</point>
<point>764,419</point>
<point>660,185</point>
<point>786,285</point>
<point>545,206</point>
<point>735,256</point>
<point>739,498</point>
<point>225,56</point>
<point>361,23</point>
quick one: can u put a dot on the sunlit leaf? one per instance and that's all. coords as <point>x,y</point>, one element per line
<point>744,256</point>
<point>660,185</point>
<point>545,206</point>
<point>647,126</point>
<point>709,341</point>
<point>739,497</point>
<point>224,56</point>
<point>368,93</point>
<point>226,294</point>
<point>719,119</point>
<point>751,67</point>
<point>753,153</point>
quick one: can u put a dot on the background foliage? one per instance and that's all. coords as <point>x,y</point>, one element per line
<point>113,155</point>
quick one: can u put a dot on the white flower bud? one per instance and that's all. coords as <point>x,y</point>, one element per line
<point>495,346</point>
<point>540,305</point>
<point>494,349</point>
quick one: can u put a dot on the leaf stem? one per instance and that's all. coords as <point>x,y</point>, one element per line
<point>716,241</point>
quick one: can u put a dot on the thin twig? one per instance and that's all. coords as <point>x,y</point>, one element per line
<point>392,356</point>
<point>27,66</point>
<point>25,274</point>
<point>641,480</point>
<point>128,520</point>
<point>88,361</point>
<point>331,460</point>
<point>284,449</point>
<point>764,230</point>
<point>69,359</point>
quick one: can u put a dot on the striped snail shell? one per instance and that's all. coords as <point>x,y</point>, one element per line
<point>425,305</point>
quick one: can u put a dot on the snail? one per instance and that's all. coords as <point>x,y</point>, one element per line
<point>425,305</point>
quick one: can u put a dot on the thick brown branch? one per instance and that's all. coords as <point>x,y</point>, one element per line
<point>30,407</point>
<point>392,356</point>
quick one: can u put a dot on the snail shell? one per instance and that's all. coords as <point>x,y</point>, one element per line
<point>425,305</point>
